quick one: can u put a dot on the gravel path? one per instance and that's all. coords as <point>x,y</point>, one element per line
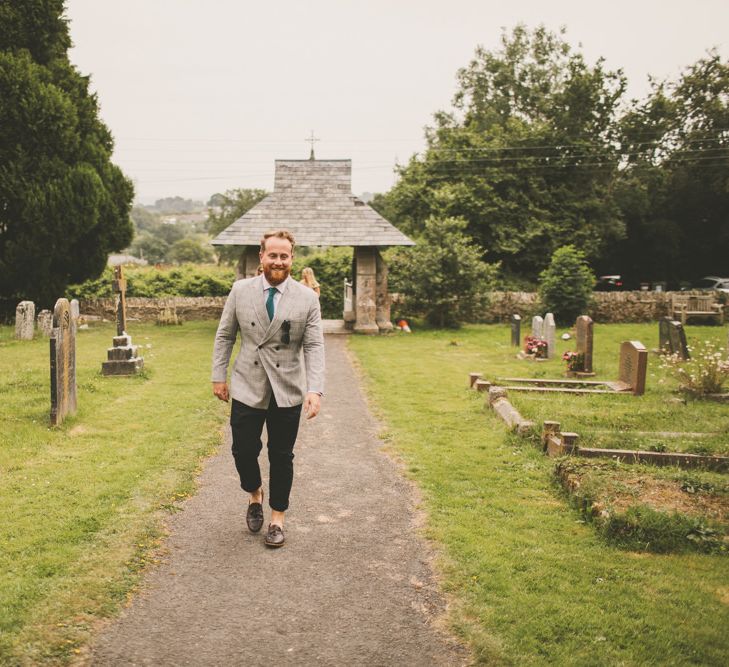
<point>352,585</point>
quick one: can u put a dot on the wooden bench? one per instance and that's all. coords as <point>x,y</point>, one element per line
<point>684,306</point>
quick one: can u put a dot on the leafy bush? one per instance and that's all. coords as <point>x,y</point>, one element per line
<point>565,286</point>
<point>185,280</point>
<point>443,277</point>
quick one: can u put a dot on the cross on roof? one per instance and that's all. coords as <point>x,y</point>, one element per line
<point>311,140</point>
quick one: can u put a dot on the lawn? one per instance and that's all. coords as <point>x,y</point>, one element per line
<point>83,502</point>
<point>530,581</point>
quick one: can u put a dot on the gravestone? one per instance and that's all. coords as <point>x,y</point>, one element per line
<point>664,335</point>
<point>583,329</point>
<point>677,340</point>
<point>75,311</point>
<point>516,330</point>
<point>63,363</point>
<point>122,358</point>
<point>45,323</point>
<point>537,327</point>
<point>550,335</point>
<point>633,367</point>
<point>25,320</point>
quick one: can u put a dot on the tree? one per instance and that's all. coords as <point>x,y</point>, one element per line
<point>189,250</point>
<point>63,205</point>
<point>527,156</point>
<point>443,276</point>
<point>149,247</point>
<point>233,204</point>
<point>673,191</point>
<point>566,284</point>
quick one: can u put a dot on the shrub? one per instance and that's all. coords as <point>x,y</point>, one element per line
<point>565,286</point>
<point>443,277</point>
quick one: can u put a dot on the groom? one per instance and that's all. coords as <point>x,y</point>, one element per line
<point>279,322</point>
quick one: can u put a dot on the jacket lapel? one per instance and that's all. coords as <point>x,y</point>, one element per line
<point>259,303</point>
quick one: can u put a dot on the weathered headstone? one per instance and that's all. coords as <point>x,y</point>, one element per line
<point>516,330</point>
<point>75,311</point>
<point>537,327</point>
<point>633,366</point>
<point>664,335</point>
<point>63,363</point>
<point>45,323</point>
<point>122,358</point>
<point>677,340</point>
<point>583,334</point>
<point>25,320</point>
<point>550,335</point>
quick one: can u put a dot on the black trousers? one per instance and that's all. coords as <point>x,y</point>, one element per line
<point>282,425</point>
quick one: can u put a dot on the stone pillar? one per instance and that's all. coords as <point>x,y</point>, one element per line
<point>248,262</point>
<point>25,320</point>
<point>382,297</point>
<point>366,290</point>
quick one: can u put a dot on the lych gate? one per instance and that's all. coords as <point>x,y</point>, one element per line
<point>313,199</point>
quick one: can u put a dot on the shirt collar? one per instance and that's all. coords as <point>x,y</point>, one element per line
<point>281,287</point>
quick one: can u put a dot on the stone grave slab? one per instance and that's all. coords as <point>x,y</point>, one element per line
<point>584,337</point>
<point>677,340</point>
<point>550,335</point>
<point>538,327</point>
<point>25,320</point>
<point>45,323</point>
<point>516,330</point>
<point>63,363</point>
<point>632,368</point>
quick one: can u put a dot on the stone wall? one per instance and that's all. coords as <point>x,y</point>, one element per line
<point>606,307</point>
<point>146,310</point>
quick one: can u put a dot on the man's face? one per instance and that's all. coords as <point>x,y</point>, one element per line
<point>276,260</point>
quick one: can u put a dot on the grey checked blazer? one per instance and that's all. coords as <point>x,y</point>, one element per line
<point>265,363</point>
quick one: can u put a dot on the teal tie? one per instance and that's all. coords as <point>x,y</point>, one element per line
<point>269,302</point>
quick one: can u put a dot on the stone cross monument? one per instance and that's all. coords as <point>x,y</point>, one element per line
<point>122,358</point>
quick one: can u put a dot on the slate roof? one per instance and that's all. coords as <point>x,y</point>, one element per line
<point>313,199</point>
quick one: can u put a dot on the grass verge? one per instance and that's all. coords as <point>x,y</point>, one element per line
<point>531,582</point>
<point>83,503</point>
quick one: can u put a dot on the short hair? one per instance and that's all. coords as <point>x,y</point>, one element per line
<point>279,234</point>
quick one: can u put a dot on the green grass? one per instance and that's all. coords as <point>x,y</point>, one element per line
<point>530,581</point>
<point>82,502</point>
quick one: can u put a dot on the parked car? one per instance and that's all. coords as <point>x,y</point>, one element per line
<point>609,283</point>
<point>713,283</point>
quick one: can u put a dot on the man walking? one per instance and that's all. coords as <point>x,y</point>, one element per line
<point>279,321</point>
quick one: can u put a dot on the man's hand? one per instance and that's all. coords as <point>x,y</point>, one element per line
<point>220,389</point>
<point>312,404</point>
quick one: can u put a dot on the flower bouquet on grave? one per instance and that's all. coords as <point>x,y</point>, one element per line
<point>535,347</point>
<point>575,361</point>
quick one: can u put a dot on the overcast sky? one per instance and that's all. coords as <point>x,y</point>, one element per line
<point>203,95</point>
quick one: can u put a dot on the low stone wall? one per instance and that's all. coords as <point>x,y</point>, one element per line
<point>146,310</point>
<point>606,307</point>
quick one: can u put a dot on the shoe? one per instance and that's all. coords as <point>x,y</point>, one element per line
<point>274,536</point>
<point>254,516</point>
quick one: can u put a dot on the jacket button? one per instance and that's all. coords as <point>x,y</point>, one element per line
<point>276,365</point>
<point>276,348</point>
<point>253,324</point>
<point>255,363</point>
